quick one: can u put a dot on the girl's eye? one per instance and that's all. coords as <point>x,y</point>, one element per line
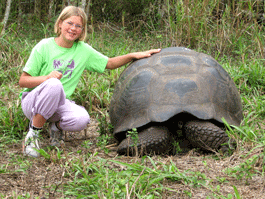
<point>72,24</point>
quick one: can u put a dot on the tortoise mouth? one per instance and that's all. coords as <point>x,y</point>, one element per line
<point>180,124</point>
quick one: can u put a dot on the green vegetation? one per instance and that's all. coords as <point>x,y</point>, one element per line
<point>232,33</point>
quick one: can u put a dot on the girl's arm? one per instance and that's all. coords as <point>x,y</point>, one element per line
<point>28,81</point>
<point>119,61</point>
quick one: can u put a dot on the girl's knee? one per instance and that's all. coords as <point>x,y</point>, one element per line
<point>52,89</point>
<point>54,84</point>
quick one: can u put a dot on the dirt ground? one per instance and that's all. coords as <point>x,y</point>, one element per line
<point>42,175</point>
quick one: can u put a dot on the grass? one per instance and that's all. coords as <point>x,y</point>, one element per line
<point>137,180</point>
<point>90,168</point>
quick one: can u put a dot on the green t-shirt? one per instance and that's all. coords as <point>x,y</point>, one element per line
<point>47,56</point>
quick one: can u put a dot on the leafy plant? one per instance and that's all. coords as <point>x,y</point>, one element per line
<point>133,134</point>
<point>177,148</point>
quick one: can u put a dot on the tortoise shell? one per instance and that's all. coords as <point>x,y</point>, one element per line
<point>176,80</point>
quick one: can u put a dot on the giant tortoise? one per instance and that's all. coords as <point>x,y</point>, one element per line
<point>176,89</point>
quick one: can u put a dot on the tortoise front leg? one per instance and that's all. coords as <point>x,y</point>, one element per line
<point>208,136</point>
<point>152,140</point>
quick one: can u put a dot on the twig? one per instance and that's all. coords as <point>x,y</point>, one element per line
<point>133,186</point>
<point>96,109</point>
<point>58,184</point>
<point>111,145</point>
<point>127,191</point>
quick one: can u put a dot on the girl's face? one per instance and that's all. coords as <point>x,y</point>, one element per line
<point>71,29</point>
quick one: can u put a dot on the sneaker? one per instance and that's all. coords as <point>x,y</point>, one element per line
<point>56,136</point>
<point>30,143</point>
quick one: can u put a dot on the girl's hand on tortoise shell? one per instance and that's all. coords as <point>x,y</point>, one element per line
<point>144,54</point>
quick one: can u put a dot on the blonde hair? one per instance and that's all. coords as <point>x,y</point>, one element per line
<point>70,11</point>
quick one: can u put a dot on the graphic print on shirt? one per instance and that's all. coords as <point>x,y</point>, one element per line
<point>66,67</point>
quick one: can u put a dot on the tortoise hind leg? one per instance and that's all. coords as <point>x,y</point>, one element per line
<point>152,140</point>
<point>206,135</point>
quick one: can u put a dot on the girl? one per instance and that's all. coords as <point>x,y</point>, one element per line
<point>51,75</point>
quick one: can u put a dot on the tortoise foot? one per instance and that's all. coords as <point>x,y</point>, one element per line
<point>208,136</point>
<point>152,140</point>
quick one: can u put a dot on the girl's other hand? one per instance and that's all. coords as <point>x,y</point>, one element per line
<point>55,74</point>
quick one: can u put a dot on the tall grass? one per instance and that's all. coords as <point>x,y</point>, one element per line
<point>212,26</point>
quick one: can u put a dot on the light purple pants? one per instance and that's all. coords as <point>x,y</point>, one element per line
<point>48,99</point>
